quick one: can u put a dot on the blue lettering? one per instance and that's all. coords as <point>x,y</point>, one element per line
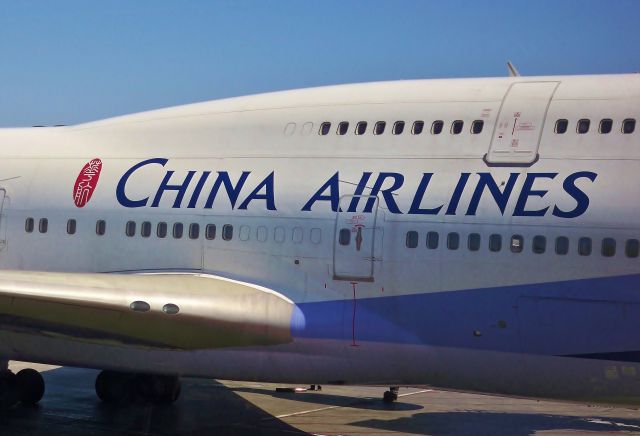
<point>268,196</point>
<point>527,192</point>
<point>417,198</point>
<point>501,197</point>
<point>232,191</point>
<point>387,194</point>
<point>333,185</point>
<point>353,206</point>
<point>457,193</point>
<point>120,194</point>
<point>165,186</point>
<point>198,189</point>
<point>578,195</point>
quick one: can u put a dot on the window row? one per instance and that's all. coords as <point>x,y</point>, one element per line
<point>517,244</point>
<point>605,126</point>
<point>399,127</point>
<point>177,230</point>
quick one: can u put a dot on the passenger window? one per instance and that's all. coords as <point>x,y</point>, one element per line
<point>361,128</point>
<point>417,128</point>
<point>628,126</point>
<point>145,229</point>
<point>43,225</point>
<point>278,235</point>
<point>583,126</point>
<point>561,126</point>
<point>632,248</point>
<point>517,243</point>
<point>178,230</point>
<point>584,246</point>
<point>378,129</point>
<point>344,237</point>
<point>101,227</point>
<point>605,125</point>
<point>562,245</point>
<point>28,225</point>
<point>539,244</point>
<point>194,231</point>
<point>608,247</point>
<point>495,242</point>
<point>398,127</point>
<point>130,228</point>
<point>324,128</point>
<point>456,127</point>
<point>245,233</point>
<point>227,232</point>
<point>453,241</point>
<point>473,242</point>
<point>71,226</point>
<point>298,235</point>
<point>315,236</point>
<point>411,239</point>
<point>343,128</point>
<point>161,230</point>
<point>210,232</point>
<point>476,127</point>
<point>261,233</point>
<point>436,127</point>
<point>432,240</point>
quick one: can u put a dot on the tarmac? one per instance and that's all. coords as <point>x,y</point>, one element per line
<point>218,407</point>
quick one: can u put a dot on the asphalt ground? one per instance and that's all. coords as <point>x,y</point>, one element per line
<point>217,407</point>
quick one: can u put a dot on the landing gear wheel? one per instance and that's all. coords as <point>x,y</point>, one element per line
<point>121,388</point>
<point>8,389</point>
<point>30,386</point>
<point>391,395</point>
<point>115,387</point>
<point>159,389</point>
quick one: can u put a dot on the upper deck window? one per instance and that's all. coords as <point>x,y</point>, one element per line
<point>456,127</point>
<point>605,125</point>
<point>343,128</point>
<point>476,127</point>
<point>361,127</point>
<point>325,128</point>
<point>628,126</point>
<point>436,127</point>
<point>561,126</point>
<point>398,127</point>
<point>583,126</point>
<point>418,126</point>
<point>378,129</point>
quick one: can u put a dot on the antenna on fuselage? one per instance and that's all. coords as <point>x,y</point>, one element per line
<point>512,70</point>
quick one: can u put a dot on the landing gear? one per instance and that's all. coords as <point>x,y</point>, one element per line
<point>26,387</point>
<point>391,395</point>
<point>121,388</point>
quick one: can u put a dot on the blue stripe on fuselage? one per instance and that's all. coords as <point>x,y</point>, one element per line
<point>599,315</point>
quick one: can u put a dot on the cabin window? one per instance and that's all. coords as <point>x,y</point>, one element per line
<point>28,225</point>
<point>279,234</point>
<point>261,233</point>
<point>561,126</point>
<point>101,227</point>
<point>178,230</point>
<point>495,242</point>
<point>476,127</point>
<point>436,127</point>
<point>71,226</point>
<point>161,230</point>
<point>194,231</point>
<point>315,236</point>
<point>43,225</point>
<point>227,232</point>
<point>245,233</point>
<point>432,240</point>
<point>343,128</point>
<point>412,239</point>
<point>145,229</point>
<point>324,128</point>
<point>473,242</point>
<point>361,128</point>
<point>608,247</point>
<point>417,128</point>
<point>210,232</point>
<point>605,125</point>
<point>378,129</point>
<point>584,246</point>
<point>517,243</point>
<point>628,126</point>
<point>456,127</point>
<point>562,245</point>
<point>297,235</point>
<point>539,244</point>
<point>130,228</point>
<point>453,241</point>
<point>632,248</point>
<point>583,126</point>
<point>344,237</point>
<point>398,127</point>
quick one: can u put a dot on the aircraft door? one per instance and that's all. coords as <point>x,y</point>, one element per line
<point>355,238</point>
<point>516,135</point>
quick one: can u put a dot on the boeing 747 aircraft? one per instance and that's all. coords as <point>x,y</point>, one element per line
<point>467,234</point>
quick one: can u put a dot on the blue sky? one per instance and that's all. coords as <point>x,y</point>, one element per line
<point>69,61</point>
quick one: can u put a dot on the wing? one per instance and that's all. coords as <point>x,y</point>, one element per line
<point>177,311</point>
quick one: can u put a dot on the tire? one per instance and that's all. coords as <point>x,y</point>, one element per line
<point>30,386</point>
<point>8,389</point>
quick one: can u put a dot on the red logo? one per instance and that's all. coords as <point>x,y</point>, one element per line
<point>86,182</point>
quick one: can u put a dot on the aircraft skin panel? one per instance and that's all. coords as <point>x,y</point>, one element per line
<point>296,256</point>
